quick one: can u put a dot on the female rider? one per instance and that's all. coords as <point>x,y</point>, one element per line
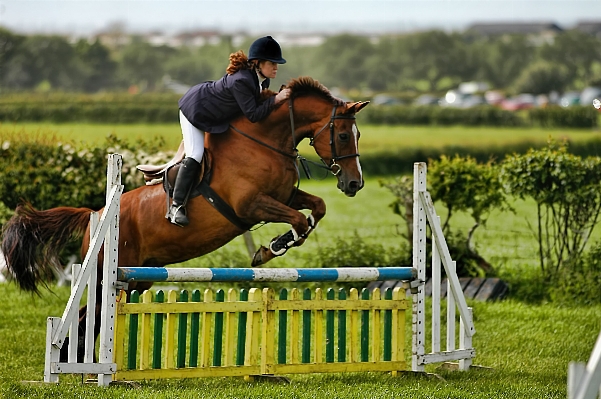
<point>210,106</point>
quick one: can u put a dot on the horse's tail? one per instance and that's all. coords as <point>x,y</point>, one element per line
<point>32,241</point>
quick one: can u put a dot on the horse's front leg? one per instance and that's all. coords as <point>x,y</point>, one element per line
<point>267,209</point>
<point>304,200</point>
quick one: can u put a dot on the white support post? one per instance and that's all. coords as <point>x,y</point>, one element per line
<point>576,371</point>
<point>425,214</point>
<point>91,300</point>
<point>451,312</point>
<point>465,341</point>
<point>438,236</point>
<point>436,280</point>
<point>74,328</point>
<point>419,262</point>
<point>109,279</point>
<point>105,230</point>
<point>72,305</point>
<point>52,352</point>
<point>584,381</point>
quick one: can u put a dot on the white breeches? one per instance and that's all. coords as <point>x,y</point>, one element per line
<point>194,139</point>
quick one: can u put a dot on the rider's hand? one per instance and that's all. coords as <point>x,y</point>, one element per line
<point>282,95</point>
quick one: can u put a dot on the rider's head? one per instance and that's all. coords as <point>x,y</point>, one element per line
<point>266,48</point>
<point>265,53</point>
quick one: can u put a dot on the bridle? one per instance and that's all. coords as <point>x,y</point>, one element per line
<point>333,165</point>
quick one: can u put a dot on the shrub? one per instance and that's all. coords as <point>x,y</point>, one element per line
<point>581,282</point>
<point>350,252</point>
<point>565,188</point>
<point>48,173</point>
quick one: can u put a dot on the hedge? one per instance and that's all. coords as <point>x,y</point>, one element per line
<point>49,174</point>
<point>162,108</point>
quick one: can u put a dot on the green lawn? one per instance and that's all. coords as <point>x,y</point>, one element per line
<point>527,347</point>
<point>374,138</point>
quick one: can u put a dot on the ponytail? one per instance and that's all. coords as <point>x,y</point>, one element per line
<point>238,61</point>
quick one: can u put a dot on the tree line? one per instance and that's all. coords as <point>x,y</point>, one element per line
<point>430,61</point>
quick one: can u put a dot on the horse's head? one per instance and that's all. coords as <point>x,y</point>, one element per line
<point>330,125</point>
<point>337,143</point>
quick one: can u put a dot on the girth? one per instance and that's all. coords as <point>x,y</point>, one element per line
<point>203,188</point>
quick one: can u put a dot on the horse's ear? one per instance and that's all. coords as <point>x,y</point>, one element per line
<point>353,108</point>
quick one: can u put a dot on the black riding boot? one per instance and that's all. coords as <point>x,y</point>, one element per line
<point>186,177</point>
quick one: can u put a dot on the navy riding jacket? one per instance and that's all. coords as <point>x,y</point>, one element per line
<point>211,106</point>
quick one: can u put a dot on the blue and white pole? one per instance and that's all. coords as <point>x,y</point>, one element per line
<point>343,274</point>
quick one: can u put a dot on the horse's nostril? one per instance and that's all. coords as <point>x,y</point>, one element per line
<point>354,185</point>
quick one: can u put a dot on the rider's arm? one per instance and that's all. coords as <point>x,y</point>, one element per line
<point>245,95</point>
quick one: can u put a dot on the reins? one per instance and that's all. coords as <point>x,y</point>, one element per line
<point>292,156</point>
<point>333,166</point>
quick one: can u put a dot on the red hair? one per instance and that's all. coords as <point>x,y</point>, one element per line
<point>238,61</point>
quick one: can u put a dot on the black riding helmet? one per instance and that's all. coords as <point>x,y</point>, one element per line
<point>266,48</point>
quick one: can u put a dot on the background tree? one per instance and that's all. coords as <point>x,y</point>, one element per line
<point>542,77</point>
<point>504,58</point>
<point>11,50</point>
<point>431,61</point>
<point>432,56</point>
<point>98,67</point>
<point>575,50</point>
<point>342,61</point>
<point>142,64</point>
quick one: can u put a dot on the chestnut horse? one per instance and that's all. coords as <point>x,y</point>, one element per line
<point>254,170</point>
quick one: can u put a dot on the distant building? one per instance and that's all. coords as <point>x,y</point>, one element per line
<point>197,38</point>
<point>113,39</point>
<point>538,32</point>
<point>304,40</point>
<point>590,27</point>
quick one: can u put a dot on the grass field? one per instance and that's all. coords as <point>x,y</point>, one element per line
<point>374,138</point>
<point>528,346</point>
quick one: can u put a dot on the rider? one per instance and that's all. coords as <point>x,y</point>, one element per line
<point>210,106</point>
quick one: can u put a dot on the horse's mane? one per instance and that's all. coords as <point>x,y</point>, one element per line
<point>303,86</point>
<point>306,85</point>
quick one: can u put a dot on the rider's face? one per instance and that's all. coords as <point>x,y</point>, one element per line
<point>268,69</point>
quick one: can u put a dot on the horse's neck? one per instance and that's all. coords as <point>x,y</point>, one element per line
<point>309,116</point>
<point>276,129</point>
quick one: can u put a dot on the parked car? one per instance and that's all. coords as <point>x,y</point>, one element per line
<point>494,97</point>
<point>383,99</point>
<point>426,99</point>
<point>454,98</point>
<point>589,94</point>
<point>519,102</point>
<point>569,99</point>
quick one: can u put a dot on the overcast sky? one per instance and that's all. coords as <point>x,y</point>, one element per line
<point>89,16</point>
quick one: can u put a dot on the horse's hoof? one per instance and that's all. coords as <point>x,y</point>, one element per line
<point>258,257</point>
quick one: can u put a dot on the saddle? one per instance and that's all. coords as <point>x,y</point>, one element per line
<point>167,173</point>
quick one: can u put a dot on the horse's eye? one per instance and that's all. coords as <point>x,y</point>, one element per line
<point>344,136</point>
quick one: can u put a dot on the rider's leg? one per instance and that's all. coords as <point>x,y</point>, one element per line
<point>188,172</point>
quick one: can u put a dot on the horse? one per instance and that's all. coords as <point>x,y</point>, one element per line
<point>254,169</point>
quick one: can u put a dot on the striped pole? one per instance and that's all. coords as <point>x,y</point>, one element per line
<point>342,274</point>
